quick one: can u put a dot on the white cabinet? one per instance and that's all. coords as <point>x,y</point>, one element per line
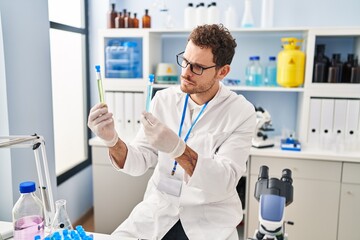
<point>316,190</point>
<point>349,202</point>
<point>115,193</point>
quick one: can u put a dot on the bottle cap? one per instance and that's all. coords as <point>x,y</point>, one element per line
<point>27,187</point>
<point>272,58</point>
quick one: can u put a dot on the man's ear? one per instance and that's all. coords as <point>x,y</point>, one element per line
<point>223,71</point>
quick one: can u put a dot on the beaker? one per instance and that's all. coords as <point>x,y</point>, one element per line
<point>61,220</point>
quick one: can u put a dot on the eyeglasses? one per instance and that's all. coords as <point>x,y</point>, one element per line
<point>195,68</point>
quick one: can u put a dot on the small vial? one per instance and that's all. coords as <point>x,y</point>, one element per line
<point>99,83</point>
<point>149,91</point>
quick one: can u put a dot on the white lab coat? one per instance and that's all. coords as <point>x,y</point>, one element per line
<point>208,206</point>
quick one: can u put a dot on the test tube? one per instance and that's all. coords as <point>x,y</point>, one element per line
<point>99,83</point>
<point>149,91</point>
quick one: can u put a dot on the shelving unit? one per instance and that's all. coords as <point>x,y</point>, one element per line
<point>289,107</point>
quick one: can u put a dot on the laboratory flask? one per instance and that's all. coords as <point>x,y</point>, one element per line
<point>61,219</point>
<point>291,64</point>
<point>28,213</point>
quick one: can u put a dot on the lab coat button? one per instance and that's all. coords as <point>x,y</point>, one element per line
<point>181,209</point>
<point>191,134</point>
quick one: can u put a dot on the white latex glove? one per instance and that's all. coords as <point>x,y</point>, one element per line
<point>101,122</point>
<point>161,137</point>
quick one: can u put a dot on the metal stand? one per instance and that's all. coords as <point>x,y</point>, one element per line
<point>37,143</point>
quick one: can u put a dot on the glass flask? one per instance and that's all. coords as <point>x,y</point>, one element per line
<point>61,219</point>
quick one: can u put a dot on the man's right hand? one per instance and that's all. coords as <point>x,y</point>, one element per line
<point>101,122</point>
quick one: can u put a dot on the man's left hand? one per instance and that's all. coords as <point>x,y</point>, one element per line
<point>161,137</point>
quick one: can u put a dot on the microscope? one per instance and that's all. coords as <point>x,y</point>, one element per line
<point>263,124</point>
<point>273,196</point>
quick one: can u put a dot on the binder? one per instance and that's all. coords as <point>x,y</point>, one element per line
<point>352,126</point>
<point>110,101</point>
<point>314,122</point>
<point>129,114</point>
<point>139,107</point>
<point>119,112</point>
<point>326,123</point>
<point>340,108</point>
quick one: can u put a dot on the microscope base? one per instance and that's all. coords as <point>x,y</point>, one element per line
<point>262,144</point>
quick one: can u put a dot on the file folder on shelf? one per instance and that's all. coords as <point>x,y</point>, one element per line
<point>314,122</point>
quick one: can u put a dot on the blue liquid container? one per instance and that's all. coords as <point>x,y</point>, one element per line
<point>123,59</point>
<point>270,72</point>
<point>254,72</point>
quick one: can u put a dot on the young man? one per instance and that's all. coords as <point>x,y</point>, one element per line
<point>198,135</point>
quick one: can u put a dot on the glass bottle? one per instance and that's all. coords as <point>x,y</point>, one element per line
<point>146,20</point>
<point>270,72</point>
<point>248,20</point>
<point>256,71</point>
<point>335,69</point>
<point>135,21</point>
<point>61,219</point>
<point>248,77</point>
<point>348,65</point>
<point>28,213</point>
<point>321,64</point>
<point>127,20</point>
<point>111,16</point>
<point>118,20</point>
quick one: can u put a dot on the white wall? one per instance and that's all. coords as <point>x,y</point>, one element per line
<point>26,104</point>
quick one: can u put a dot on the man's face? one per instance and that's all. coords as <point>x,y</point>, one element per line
<point>192,83</point>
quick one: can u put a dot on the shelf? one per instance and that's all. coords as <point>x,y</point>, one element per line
<point>246,88</point>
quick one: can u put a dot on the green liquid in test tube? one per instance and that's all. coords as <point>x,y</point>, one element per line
<point>99,83</point>
<point>149,91</point>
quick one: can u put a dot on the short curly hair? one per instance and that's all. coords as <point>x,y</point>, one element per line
<point>218,38</point>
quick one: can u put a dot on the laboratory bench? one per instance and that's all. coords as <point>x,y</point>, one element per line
<point>326,191</point>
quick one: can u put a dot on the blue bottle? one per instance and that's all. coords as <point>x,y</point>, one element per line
<point>256,72</point>
<point>270,72</point>
<point>248,77</point>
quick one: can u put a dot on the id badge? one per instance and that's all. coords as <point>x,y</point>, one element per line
<point>170,185</point>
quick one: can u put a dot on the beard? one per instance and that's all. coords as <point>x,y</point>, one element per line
<point>191,86</point>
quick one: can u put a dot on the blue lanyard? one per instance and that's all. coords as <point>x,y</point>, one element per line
<point>191,127</point>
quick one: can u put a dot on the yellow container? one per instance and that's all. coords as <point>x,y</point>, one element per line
<point>291,64</point>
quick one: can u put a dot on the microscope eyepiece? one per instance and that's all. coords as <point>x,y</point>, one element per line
<point>286,176</point>
<point>263,173</point>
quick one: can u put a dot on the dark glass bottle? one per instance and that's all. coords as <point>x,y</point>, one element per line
<point>335,69</point>
<point>130,21</point>
<point>111,16</point>
<point>135,21</point>
<point>146,20</point>
<point>321,64</point>
<point>118,20</point>
<point>348,65</point>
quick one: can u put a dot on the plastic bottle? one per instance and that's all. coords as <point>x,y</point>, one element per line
<point>270,72</point>
<point>146,19</point>
<point>321,64</point>
<point>189,16</point>
<point>201,14</point>
<point>28,213</point>
<point>248,20</point>
<point>291,64</point>
<point>230,17</point>
<point>267,13</point>
<point>111,16</point>
<point>213,14</point>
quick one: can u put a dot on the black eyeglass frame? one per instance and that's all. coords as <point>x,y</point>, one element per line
<point>191,64</point>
